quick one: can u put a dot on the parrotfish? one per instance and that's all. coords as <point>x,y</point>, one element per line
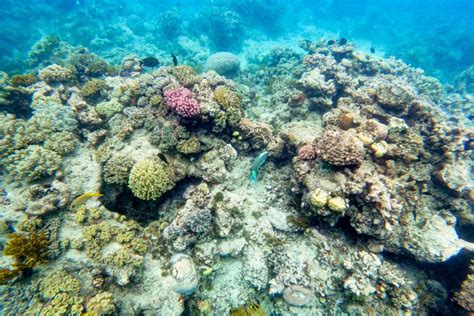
<point>81,199</point>
<point>257,164</point>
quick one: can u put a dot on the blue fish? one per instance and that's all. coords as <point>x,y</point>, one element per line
<point>257,164</point>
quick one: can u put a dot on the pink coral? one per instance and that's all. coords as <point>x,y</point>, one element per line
<point>182,102</point>
<point>307,152</point>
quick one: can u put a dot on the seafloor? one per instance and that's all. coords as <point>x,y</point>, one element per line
<point>356,209</point>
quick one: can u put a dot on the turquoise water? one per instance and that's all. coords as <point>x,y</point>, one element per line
<point>239,157</point>
<point>436,36</point>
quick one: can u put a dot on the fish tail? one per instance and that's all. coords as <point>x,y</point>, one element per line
<point>253,177</point>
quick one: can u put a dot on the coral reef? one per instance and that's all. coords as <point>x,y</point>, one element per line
<point>224,63</point>
<point>149,179</point>
<point>182,102</point>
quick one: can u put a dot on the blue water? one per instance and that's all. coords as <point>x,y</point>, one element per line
<point>435,35</point>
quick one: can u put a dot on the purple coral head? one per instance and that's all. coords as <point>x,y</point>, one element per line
<point>181,101</point>
<point>307,152</point>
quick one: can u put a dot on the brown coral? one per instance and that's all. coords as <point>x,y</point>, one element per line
<point>28,252</point>
<point>340,148</point>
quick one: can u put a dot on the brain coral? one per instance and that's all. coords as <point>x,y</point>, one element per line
<point>149,179</point>
<point>182,102</point>
<point>225,64</point>
<point>340,148</point>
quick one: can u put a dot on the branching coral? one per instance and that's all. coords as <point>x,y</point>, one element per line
<point>28,252</point>
<point>149,179</point>
<point>182,102</point>
<point>92,89</point>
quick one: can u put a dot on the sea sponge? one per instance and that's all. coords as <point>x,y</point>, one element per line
<point>117,169</point>
<point>182,102</point>
<point>340,148</point>
<point>24,80</point>
<point>32,163</point>
<point>224,63</point>
<point>102,304</point>
<point>109,108</point>
<point>149,179</point>
<point>55,73</point>
<point>93,89</point>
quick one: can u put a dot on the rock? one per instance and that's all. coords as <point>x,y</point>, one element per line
<point>184,274</point>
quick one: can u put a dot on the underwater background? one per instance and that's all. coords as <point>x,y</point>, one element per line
<point>239,157</point>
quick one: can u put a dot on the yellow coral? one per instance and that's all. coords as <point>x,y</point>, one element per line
<point>227,98</point>
<point>149,179</point>
<point>28,252</point>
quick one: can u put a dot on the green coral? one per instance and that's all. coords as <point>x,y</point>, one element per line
<point>109,108</point>
<point>43,49</point>
<point>27,251</point>
<point>117,169</point>
<point>24,80</point>
<point>89,65</point>
<point>61,304</point>
<point>250,309</point>
<point>230,102</point>
<point>122,258</point>
<point>92,89</point>
<point>96,236</point>
<point>189,146</point>
<point>102,304</point>
<point>59,282</point>
<point>149,179</point>
<point>185,75</point>
<point>62,142</point>
<point>32,163</point>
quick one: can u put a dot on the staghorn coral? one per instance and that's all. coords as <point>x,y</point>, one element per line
<point>149,179</point>
<point>182,102</point>
<point>27,251</point>
<point>339,148</point>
